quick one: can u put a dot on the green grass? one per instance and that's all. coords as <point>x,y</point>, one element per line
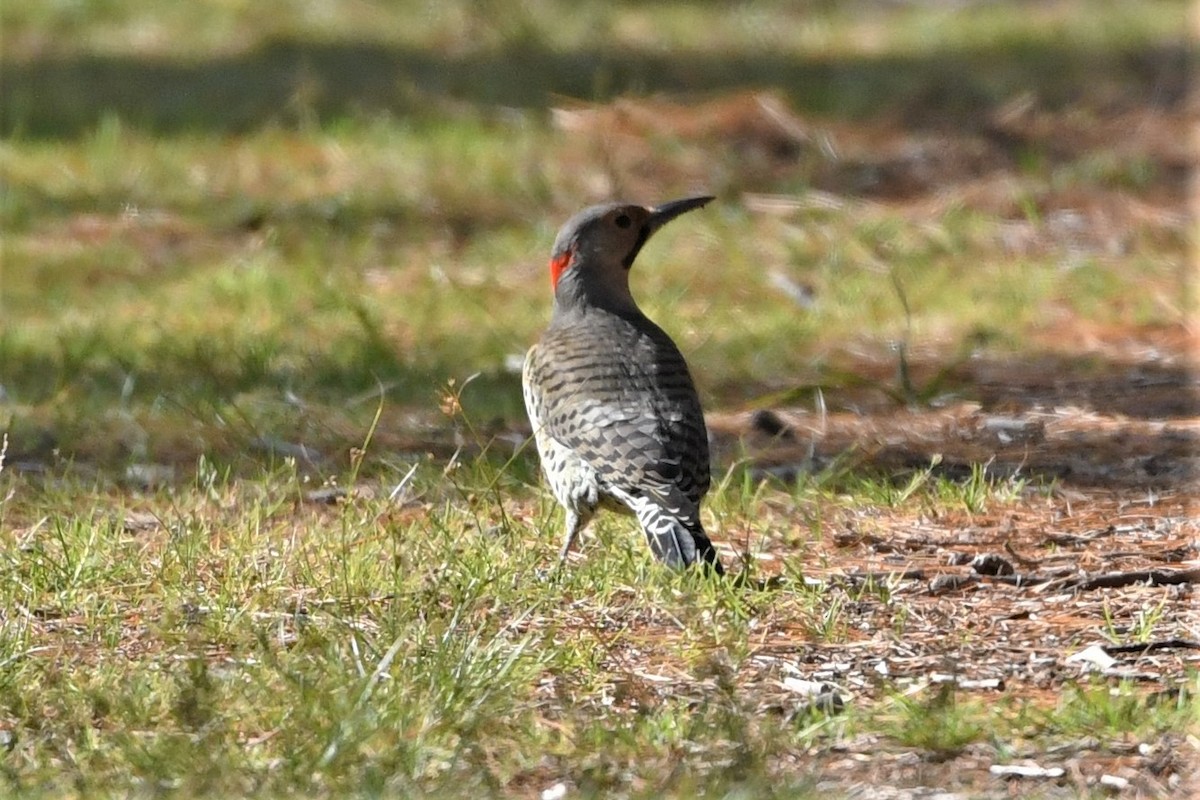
<point>232,229</point>
<point>233,638</point>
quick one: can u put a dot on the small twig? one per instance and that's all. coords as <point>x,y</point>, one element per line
<point>1016,579</point>
<point>1167,556</point>
<point>854,578</point>
<point>1080,538</point>
<point>1024,561</point>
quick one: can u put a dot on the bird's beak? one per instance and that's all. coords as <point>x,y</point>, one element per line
<point>661,215</point>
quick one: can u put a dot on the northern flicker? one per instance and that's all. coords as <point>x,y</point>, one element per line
<point>615,414</point>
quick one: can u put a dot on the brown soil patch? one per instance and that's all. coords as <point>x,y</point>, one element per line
<point>995,607</point>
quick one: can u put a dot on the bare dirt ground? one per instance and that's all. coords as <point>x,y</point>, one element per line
<point>1030,600</point>
<point>1000,603</point>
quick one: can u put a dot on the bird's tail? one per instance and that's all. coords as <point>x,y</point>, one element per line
<point>676,536</point>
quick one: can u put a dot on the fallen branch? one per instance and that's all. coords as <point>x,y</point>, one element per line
<point>1056,582</point>
<point>1150,647</point>
<point>1117,580</point>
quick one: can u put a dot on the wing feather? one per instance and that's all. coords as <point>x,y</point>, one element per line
<point>620,396</point>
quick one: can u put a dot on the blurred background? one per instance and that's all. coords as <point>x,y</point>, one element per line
<point>245,229</point>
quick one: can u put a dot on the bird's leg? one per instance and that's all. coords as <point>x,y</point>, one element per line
<point>575,523</point>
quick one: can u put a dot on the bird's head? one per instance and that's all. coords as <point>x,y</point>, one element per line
<point>595,249</point>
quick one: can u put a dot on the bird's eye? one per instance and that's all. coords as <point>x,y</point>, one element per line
<point>623,221</point>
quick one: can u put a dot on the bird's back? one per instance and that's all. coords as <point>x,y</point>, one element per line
<point>615,389</point>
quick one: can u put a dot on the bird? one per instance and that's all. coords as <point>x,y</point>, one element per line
<point>615,414</point>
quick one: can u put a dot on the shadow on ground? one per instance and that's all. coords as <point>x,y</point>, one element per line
<point>293,82</point>
<point>1046,417</point>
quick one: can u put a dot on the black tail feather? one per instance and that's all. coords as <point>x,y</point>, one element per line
<point>676,540</point>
